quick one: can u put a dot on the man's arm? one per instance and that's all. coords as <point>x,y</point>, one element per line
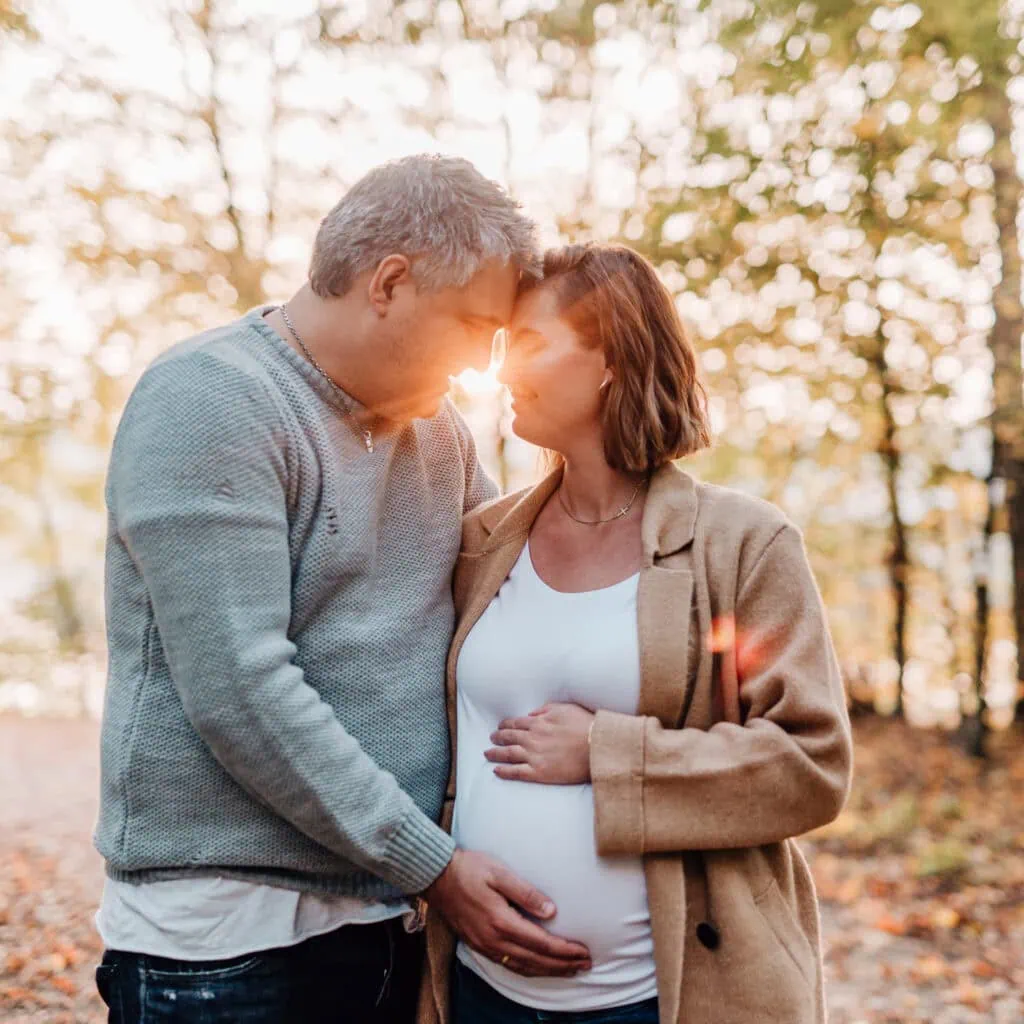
<point>199,490</point>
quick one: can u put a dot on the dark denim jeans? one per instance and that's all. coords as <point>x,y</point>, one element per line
<point>359,974</point>
<point>475,1002</point>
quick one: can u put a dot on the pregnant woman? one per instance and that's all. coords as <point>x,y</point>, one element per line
<point>644,699</point>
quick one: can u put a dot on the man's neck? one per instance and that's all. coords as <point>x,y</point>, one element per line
<point>342,354</point>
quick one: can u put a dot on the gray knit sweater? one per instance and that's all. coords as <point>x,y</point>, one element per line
<point>278,614</point>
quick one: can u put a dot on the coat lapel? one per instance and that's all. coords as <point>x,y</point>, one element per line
<point>665,596</point>
<point>663,620</point>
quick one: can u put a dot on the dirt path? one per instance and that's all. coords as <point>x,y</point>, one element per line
<point>50,879</point>
<point>49,874</point>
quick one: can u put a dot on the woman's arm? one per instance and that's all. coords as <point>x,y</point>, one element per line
<point>784,771</point>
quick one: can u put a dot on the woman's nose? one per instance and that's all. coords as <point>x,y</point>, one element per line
<point>507,373</point>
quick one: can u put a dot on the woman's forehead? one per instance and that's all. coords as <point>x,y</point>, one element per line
<point>534,307</point>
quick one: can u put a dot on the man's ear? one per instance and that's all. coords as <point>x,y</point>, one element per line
<point>390,273</point>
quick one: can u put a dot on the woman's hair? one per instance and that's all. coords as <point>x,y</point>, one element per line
<point>654,409</point>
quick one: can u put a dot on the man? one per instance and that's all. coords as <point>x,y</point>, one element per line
<point>285,499</point>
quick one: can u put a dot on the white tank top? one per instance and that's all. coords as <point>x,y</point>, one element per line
<point>533,645</point>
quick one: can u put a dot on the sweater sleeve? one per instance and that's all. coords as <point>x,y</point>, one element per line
<point>198,489</point>
<point>782,772</point>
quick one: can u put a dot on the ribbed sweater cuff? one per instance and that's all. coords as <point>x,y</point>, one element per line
<point>417,853</point>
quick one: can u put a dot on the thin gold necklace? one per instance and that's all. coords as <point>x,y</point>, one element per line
<point>597,522</point>
<point>364,434</point>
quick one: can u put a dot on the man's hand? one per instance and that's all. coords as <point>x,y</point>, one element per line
<point>478,896</point>
<point>551,745</point>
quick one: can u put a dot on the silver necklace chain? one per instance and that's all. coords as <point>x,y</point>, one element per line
<point>597,522</point>
<point>364,434</point>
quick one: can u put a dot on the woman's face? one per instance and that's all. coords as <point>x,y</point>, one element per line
<point>555,380</point>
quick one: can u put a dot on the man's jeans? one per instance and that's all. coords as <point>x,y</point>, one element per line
<point>358,974</point>
<point>475,1002</point>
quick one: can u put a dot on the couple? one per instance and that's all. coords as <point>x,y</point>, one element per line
<point>643,705</point>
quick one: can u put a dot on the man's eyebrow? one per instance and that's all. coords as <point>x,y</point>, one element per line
<point>480,320</point>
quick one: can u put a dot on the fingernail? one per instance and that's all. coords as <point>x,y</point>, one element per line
<point>547,908</point>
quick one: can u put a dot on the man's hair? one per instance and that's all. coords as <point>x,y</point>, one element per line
<point>654,408</point>
<point>438,211</point>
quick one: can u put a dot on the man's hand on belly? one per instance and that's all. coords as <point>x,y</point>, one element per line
<point>480,898</point>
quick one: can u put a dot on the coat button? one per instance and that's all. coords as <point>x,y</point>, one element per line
<point>708,935</point>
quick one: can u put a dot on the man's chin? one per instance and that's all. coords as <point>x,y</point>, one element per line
<point>423,408</point>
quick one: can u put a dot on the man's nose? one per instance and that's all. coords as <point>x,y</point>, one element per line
<point>479,358</point>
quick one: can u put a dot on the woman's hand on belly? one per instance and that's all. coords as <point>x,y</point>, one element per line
<point>550,746</point>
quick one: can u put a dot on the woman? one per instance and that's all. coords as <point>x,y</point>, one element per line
<point>645,700</point>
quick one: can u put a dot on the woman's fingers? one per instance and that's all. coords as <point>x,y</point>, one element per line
<point>517,724</point>
<point>510,737</point>
<point>507,755</point>
<point>517,772</point>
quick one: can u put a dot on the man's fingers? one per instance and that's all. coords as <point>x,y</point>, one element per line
<point>521,893</point>
<point>538,942</point>
<point>507,755</point>
<point>532,965</point>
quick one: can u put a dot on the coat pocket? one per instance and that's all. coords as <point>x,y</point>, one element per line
<point>780,918</point>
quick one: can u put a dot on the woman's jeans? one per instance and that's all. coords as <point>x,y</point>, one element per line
<point>357,974</point>
<point>475,1002</point>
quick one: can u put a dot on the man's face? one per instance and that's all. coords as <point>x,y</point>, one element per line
<point>440,334</point>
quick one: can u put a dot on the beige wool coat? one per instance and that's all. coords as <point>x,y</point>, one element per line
<point>741,742</point>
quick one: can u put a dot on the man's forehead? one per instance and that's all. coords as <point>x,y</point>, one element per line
<point>491,294</point>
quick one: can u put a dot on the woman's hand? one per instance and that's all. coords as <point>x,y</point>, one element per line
<point>551,745</point>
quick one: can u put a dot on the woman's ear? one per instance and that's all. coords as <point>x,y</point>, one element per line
<point>607,380</point>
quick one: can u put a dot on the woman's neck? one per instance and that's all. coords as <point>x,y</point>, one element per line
<point>592,488</point>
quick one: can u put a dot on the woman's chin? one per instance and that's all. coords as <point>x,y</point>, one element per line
<point>525,430</point>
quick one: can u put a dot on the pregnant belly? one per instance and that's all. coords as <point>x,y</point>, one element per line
<point>545,835</point>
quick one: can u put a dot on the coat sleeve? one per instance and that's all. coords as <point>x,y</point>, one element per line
<point>785,770</point>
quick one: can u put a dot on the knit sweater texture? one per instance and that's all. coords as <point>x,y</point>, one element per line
<point>279,610</point>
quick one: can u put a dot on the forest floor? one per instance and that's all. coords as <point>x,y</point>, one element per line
<point>921,879</point>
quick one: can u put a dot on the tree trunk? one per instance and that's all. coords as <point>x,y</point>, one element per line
<point>1016,502</point>
<point>1005,345</point>
<point>897,561</point>
<point>974,728</point>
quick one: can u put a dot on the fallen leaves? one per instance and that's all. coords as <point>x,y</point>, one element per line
<point>922,882</point>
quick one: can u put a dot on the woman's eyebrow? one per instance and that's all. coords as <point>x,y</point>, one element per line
<point>525,334</point>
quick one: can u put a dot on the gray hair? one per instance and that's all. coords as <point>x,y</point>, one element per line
<point>439,211</point>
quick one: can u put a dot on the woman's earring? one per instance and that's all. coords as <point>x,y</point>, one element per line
<point>605,383</point>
